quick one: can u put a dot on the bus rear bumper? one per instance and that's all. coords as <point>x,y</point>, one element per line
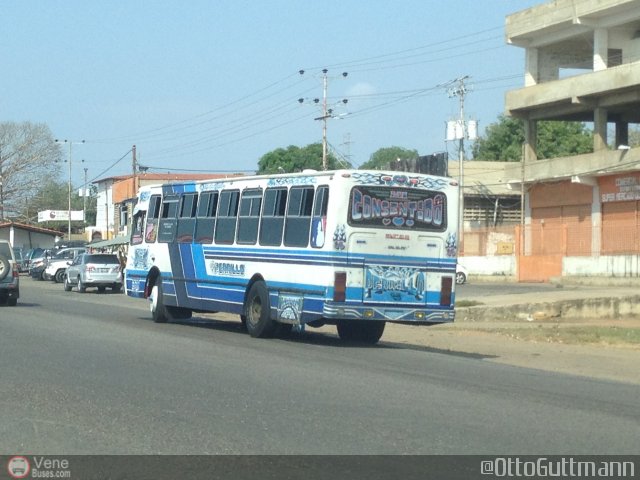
<point>388,314</point>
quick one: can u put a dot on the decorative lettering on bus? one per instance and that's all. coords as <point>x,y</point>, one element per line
<point>398,208</point>
<point>389,284</point>
<point>225,269</point>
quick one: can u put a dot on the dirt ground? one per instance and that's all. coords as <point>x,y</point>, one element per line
<point>603,348</point>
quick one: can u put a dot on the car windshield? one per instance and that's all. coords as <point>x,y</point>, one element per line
<point>104,259</point>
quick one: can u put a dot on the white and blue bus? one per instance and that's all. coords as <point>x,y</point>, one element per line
<point>351,248</point>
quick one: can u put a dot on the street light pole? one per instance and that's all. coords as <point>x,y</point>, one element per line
<point>69,196</point>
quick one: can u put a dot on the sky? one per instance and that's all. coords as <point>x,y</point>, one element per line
<point>211,86</point>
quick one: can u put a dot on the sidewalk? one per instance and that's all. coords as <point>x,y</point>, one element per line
<point>568,301</point>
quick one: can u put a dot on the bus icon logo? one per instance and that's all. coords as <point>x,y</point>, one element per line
<point>18,467</point>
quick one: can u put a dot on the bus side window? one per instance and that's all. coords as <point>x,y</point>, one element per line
<point>271,227</point>
<point>298,222</point>
<point>187,217</point>
<point>168,220</point>
<point>153,213</point>
<point>227,216</point>
<point>249,217</point>
<point>137,228</point>
<point>206,217</point>
<point>319,220</point>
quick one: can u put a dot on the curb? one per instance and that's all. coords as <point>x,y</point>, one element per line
<point>604,307</point>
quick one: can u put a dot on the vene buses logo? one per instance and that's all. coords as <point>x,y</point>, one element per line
<point>18,467</point>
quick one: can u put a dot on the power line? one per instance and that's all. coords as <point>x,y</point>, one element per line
<point>109,168</point>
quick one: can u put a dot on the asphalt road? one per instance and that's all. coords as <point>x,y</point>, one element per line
<point>90,373</point>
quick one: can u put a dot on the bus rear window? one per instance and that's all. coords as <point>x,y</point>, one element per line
<point>398,208</point>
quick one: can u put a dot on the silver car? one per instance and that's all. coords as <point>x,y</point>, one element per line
<point>99,270</point>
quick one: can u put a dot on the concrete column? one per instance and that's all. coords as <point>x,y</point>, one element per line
<point>600,48</point>
<point>530,67</point>
<point>599,129</point>
<point>622,133</point>
<point>530,140</point>
<point>527,224</point>
<point>596,222</point>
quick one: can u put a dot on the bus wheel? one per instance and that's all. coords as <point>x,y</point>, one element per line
<point>159,312</point>
<point>360,331</point>
<point>257,312</point>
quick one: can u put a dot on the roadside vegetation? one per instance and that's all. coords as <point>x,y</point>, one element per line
<point>571,334</point>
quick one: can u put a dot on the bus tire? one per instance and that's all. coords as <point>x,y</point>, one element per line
<point>360,331</point>
<point>257,312</point>
<point>159,312</point>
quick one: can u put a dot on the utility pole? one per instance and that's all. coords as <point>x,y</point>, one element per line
<point>69,196</point>
<point>326,112</point>
<point>134,165</point>
<point>460,90</point>
<point>324,119</point>
<point>84,198</point>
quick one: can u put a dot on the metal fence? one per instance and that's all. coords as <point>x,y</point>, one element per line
<point>567,239</point>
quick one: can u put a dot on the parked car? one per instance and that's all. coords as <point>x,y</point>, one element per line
<point>29,254</point>
<point>19,254</point>
<point>461,274</point>
<point>9,275</point>
<point>58,263</point>
<point>99,270</point>
<point>38,264</point>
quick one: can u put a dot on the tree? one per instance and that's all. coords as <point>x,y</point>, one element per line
<point>504,139</point>
<point>296,159</point>
<point>381,158</point>
<point>28,158</point>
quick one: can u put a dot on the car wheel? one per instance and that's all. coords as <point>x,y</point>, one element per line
<point>116,288</point>
<point>12,302</point>
<point>67,285</point>
<point>102,289</point>
<point>460,278</point>
<point>81,287</point>
<point>360,331</point>
<point>257,312</point>
<point>59,277</point>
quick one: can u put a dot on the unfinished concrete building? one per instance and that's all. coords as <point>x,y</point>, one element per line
<point>582,63</point>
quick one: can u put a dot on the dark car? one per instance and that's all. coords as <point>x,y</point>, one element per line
<point>38,263</point>
<point>9,279</point>
<point>19,254</point>
<point>29,254</point>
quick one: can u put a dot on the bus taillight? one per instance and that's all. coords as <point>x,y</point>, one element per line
<point>446,287</point>
<point>340,287</point>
